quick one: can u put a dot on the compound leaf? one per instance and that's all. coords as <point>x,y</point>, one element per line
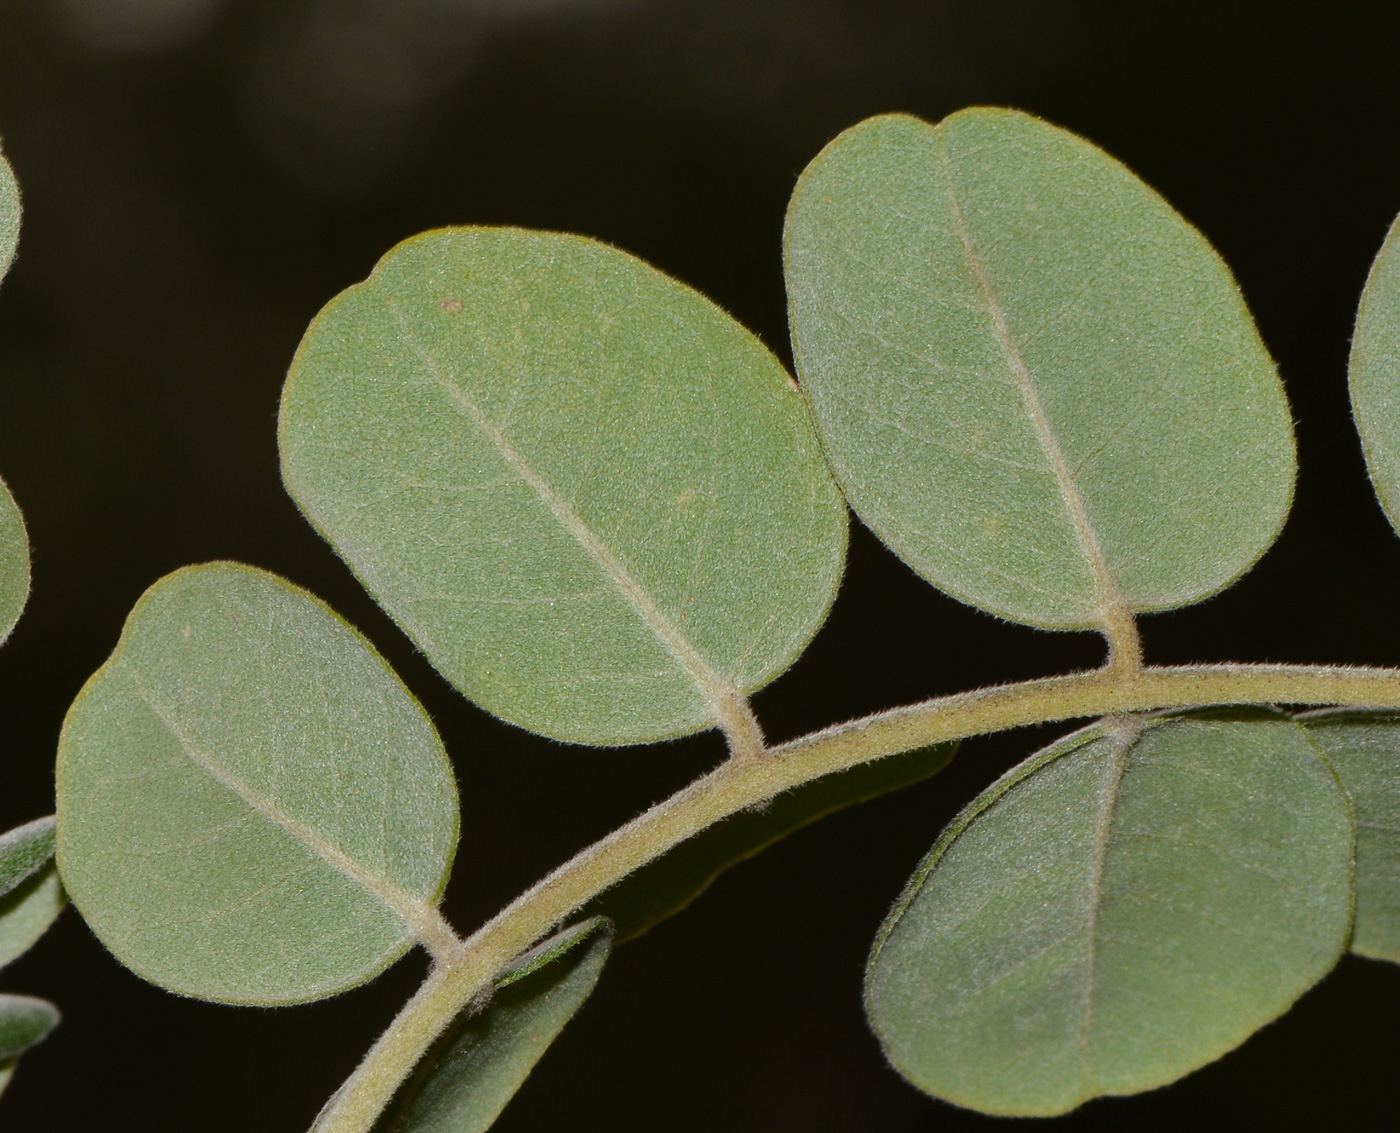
<point>30,894</point>
<point>24,1021</point>
<point>1364,750</point>
<point>664,887</point>
<point>1375,374</point>
<point>592,498</point>
<point>251,806</point>
<point>1125,906</point>
<point>471,1073</point>
<point>1037,383</point>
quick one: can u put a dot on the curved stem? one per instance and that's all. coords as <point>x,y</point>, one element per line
<point>743,782</point>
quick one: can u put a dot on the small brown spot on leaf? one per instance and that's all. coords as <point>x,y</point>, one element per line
<point>451,306</point>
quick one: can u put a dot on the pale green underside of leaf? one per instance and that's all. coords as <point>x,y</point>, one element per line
<point>667,885</point>
<point>30,894</point>
<point>14,562</point>
<point>14,543</point>
<point>1114,914</point>
<point>7,1071</point>
<point>1037,383</point>
<point>1364,750</point>
<point>579,486</point>
<point>468,1077</point>
<point>1375,374</point>
<point>250,803</point>
<point>24,1021</point>
<point>24,851</point>
<point>9,215</point>
<point>27,911</point>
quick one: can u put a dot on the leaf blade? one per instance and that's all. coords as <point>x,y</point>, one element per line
<point>24,1021</point>
<point>1024,980</point>
<point>989,316</point>
<point>25,850</point>
<point>641,525</point>
<point>9,215</point>
<point>252,808</point>
<point>1363,748</point>
<point>1374,374</point>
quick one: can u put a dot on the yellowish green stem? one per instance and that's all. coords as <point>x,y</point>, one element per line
<point>742,782</point>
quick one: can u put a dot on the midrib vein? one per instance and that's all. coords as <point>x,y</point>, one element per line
<point>1115,615</point>
<point>728,704</point>
<point>421,917</point>
<point>1125,732</point>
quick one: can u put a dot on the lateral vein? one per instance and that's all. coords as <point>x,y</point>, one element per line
<point>728,704</point>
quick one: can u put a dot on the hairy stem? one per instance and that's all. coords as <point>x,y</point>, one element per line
<point>744,782</point>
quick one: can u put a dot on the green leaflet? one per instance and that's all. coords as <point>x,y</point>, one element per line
<point>1375,374</point>
<point>477,1066</point>
<point>667,885</point>
<point>9,215</point>
<point>1116,912</point>
<point>30,895</point>
<point>14,562</point>
<point>251,806</point>
<point>24,1021</point>
<point>592,498</point>
<point>27,911</point>
<point>24,851</point>
<point>1037,383</point>
<point>1364,750</point>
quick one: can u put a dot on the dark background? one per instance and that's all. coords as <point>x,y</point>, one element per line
<point>201,175</point>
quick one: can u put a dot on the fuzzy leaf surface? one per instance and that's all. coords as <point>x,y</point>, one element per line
<point>1116,912</point>
<point>471,1073</point>
<point>664,887</point>
<point>24,1021</point>
<point>251,806</point>
<point>28,910</point>
<point>1364,750</point>
<point>14,562</point>
<point>24,851</point>
<point>1038,384</point>
<point>14,542</point>
<point>591,497</point>
<point>1375,374</point>
<point>9,215</point>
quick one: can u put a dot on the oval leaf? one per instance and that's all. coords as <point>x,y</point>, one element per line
<point>1115,912</point>
<point>14,562</point>
<point>471,1073</point>
<point>24,1021</point>
<point>1037,383</point>
<point>9,215</point>
<point>30,895</point>
<point>591,497</point>
<point>1375,374</point>
<point>251,806</point>
<point>27,912</point>
<point>667,885</point>
<point>1364,750</point>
